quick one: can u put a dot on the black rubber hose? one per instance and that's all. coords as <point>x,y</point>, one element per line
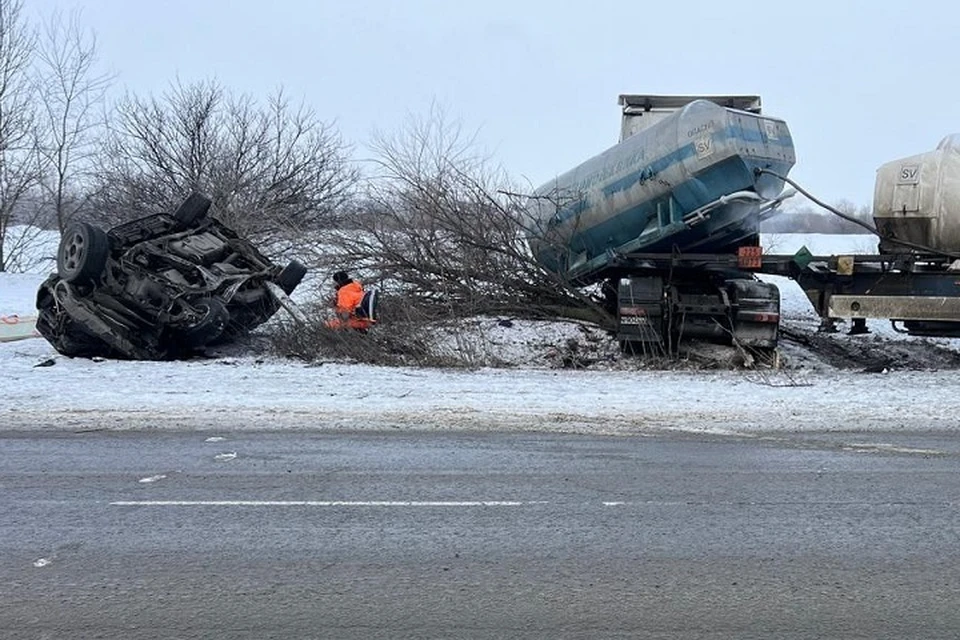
<point>758,171</point>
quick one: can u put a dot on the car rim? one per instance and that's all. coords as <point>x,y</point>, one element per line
<point>74,252</point>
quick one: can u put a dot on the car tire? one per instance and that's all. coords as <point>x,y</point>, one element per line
<point>193,209</point>
<point>291,276</point>
<point>82,254</point>
<point>211,325</point>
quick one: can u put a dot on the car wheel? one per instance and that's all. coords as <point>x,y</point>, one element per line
<point>82,253</point>
<point>193,209</point>
<point>212,323</point>
<point>290,276</point>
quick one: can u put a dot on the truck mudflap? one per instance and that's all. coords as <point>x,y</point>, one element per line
<point>640,316</point>
<point>755,313</point>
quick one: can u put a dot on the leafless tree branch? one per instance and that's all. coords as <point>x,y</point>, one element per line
<point>444,229</point>
<point>70,92</point>
<point>273,170</point>
<point>19,166</point>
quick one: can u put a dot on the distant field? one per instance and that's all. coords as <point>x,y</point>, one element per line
<point>819,243</point>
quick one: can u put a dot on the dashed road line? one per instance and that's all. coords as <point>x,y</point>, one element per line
<point>320,503</point>
<point>514,503</point>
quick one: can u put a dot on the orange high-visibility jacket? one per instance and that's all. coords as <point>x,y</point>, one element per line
<point>349,297</point>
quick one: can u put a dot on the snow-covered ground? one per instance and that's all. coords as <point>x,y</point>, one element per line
<point>258,392</point>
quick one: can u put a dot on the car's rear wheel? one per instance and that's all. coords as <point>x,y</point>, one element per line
<point>193,209</point>
<point>82,254</point>
<point>214,318</point>
<point>290,276</point>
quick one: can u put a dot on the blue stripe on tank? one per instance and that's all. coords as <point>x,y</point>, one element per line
<point>688,150</point>
<point>674,157</point>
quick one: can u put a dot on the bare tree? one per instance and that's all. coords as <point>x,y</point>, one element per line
<point>443,236</point>
<point>268,168</point>
<point>448,232</point>
<point>807,218</point>
<point>70,94</point>
<point>19,170</point>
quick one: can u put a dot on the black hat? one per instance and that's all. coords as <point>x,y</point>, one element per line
<point>341,277</point>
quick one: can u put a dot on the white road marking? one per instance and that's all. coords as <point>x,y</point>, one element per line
<point>215,439</point>
<point>225,456</point>
<point>883,446</point>
<point>150,479</point>
<point>491,503</point>
<point>319,503</point>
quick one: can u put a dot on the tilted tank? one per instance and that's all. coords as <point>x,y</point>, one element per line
<point>917,200</point>
<point>681,178</point>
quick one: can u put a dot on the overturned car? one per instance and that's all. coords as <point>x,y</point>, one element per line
<point>160,287</point>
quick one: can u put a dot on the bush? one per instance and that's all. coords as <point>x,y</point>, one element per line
<point>407,341</point>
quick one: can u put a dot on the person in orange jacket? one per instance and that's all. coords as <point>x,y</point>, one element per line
<point>349,297</point>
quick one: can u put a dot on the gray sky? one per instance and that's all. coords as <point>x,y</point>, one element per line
<point>859,83</point>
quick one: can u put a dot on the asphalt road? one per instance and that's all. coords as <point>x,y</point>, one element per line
<point>478,535</point>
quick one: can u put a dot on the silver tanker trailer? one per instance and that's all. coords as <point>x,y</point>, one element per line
<point>917,200</point>
<point>683,177</point>
<point>914,280</point>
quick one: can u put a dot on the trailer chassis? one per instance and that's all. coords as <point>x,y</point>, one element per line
<point>661,299</point>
